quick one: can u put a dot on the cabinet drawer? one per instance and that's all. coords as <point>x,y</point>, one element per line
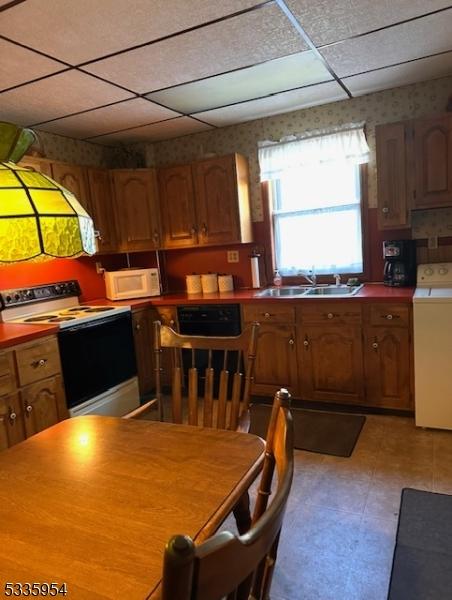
<point>37,361</point>
<point>268,313</point>
<point>331,313</point>
<point>7,375</point>
<point>390,315</point>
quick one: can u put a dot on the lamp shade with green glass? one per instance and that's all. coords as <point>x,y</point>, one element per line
<point>40,219</point>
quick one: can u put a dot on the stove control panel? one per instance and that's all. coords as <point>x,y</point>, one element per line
<point>50,291</point>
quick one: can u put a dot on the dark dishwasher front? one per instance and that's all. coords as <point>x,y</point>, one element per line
<point>219,320</point>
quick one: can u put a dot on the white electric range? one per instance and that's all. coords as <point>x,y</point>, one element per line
<point>432,323</point>
<point>96,345</point>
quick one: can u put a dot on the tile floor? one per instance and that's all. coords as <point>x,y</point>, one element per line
<point>339,532</point>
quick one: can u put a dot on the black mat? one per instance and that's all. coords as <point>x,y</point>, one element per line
<point>422,565</point>
<point>316,431</point>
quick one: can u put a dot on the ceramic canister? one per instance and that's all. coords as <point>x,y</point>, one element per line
<point>209,283</point>
<point>225,283</point>
<point>193,283</point>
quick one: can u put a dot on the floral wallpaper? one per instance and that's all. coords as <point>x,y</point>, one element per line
<point>66,149</point>
<point>396,104</point>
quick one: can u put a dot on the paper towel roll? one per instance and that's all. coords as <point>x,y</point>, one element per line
<point>225,283</point>
<point>209,283</point>
<point>255,272</point>
<point>193,283</point>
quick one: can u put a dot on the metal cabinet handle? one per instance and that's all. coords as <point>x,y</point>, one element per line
<point>388,317</point>
<point>330,315</point>
<point>137,327</point>
<point>267,315</point>
<point>172,322</point>
<point>12,415</point>
<point>28,408</point>
<point>292,342</point>
<point>375,345</point>
<point>306,343</point>
<point>385,210</point>
<point>39,363</point>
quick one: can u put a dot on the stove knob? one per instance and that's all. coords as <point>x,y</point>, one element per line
<point>58,289</point>
<point>29,294</point>
<point>16,297</point>
<point>8,298</point>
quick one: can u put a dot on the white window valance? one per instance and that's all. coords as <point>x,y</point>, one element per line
<point>345,144</point>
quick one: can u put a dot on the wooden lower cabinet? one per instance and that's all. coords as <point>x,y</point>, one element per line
<point>330,363</point>
<point>43,405</point>
<point>276,360</point>
<point>142,320</point>
<point>12,430</point>
<point>387,362</point>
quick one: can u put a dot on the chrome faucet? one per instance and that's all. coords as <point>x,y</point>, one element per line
<point>337,279</point>
<point>311,277</point>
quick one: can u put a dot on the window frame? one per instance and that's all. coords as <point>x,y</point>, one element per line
<point>270,262</point>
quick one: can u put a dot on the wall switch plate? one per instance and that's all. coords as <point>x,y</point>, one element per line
<point>433,242</point>
<point>233,256</point>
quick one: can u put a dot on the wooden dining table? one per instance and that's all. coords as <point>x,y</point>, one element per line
<point>91,502</point>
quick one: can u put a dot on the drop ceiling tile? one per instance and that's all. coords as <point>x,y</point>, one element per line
<point>154,132</point>
<point>327,21</point>
<point>57,96</point>
<point>241,41</point>
<point>416,39</point>
<point>86,29</point>
<point>124,115</point>
<point>412,72</point>
<point>273,105</point>
<point>19,65</point>
<point>286,73</point>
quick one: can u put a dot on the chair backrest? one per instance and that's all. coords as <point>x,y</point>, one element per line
<point>230,566</point>
<point>222,384</point>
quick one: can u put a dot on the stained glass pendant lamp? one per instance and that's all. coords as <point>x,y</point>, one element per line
<point>39,218</point>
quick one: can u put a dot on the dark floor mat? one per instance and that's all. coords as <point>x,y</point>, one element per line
<point>316,431</point>
<point>421,568</point>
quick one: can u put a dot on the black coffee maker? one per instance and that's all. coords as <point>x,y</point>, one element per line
<point>400,263</point>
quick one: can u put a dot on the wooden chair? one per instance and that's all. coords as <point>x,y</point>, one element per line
<point>231,412</point>
<point>238,567</point>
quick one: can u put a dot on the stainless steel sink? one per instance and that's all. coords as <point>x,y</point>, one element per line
<point>298,291</point>
<point>283,292</point>
<point>333,291</point>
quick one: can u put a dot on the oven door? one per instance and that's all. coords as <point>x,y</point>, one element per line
<point>96,356</point>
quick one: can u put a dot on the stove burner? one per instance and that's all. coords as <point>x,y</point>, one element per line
<point>75,309</point>
<point>58,319</point>
<point>40,318</point>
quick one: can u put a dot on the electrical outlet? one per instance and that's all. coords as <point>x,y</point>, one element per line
<point>233,256</point>
<point>433,242</point>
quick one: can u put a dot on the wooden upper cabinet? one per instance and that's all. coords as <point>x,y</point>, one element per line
<point>177,206</point>
<point>392,169</point>
<point>433,156</point>
<point>74,179</point>
<point>41,165</point>
<point>222,202</point>
<point>136,205</point>
<point>102,208</point>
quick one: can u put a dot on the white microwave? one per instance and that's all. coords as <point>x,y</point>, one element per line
<point>132,283</point>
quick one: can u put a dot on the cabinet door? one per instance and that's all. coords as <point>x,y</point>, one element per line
<point>37,164</point>
<point>387,359</point>
<point>102,207</point>
<point>330,364</point>
<point>276,360</point>
<point>11,421</point>
<point>392,182</point>
<point>137,209</point>
<point>217,201</point>
<point>73,178</point>
<point>42,403</point>
<point>433,154</point>
<point>177,205</point>
<point>144,349</point>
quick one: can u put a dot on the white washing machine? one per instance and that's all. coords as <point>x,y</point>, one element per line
<point>432,322</point>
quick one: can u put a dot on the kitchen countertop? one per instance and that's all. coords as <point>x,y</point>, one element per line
<point>371,292</point>
<point>12,333</point>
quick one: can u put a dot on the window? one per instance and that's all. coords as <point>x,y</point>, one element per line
<point>317,200</point>
<point>317,220</point>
